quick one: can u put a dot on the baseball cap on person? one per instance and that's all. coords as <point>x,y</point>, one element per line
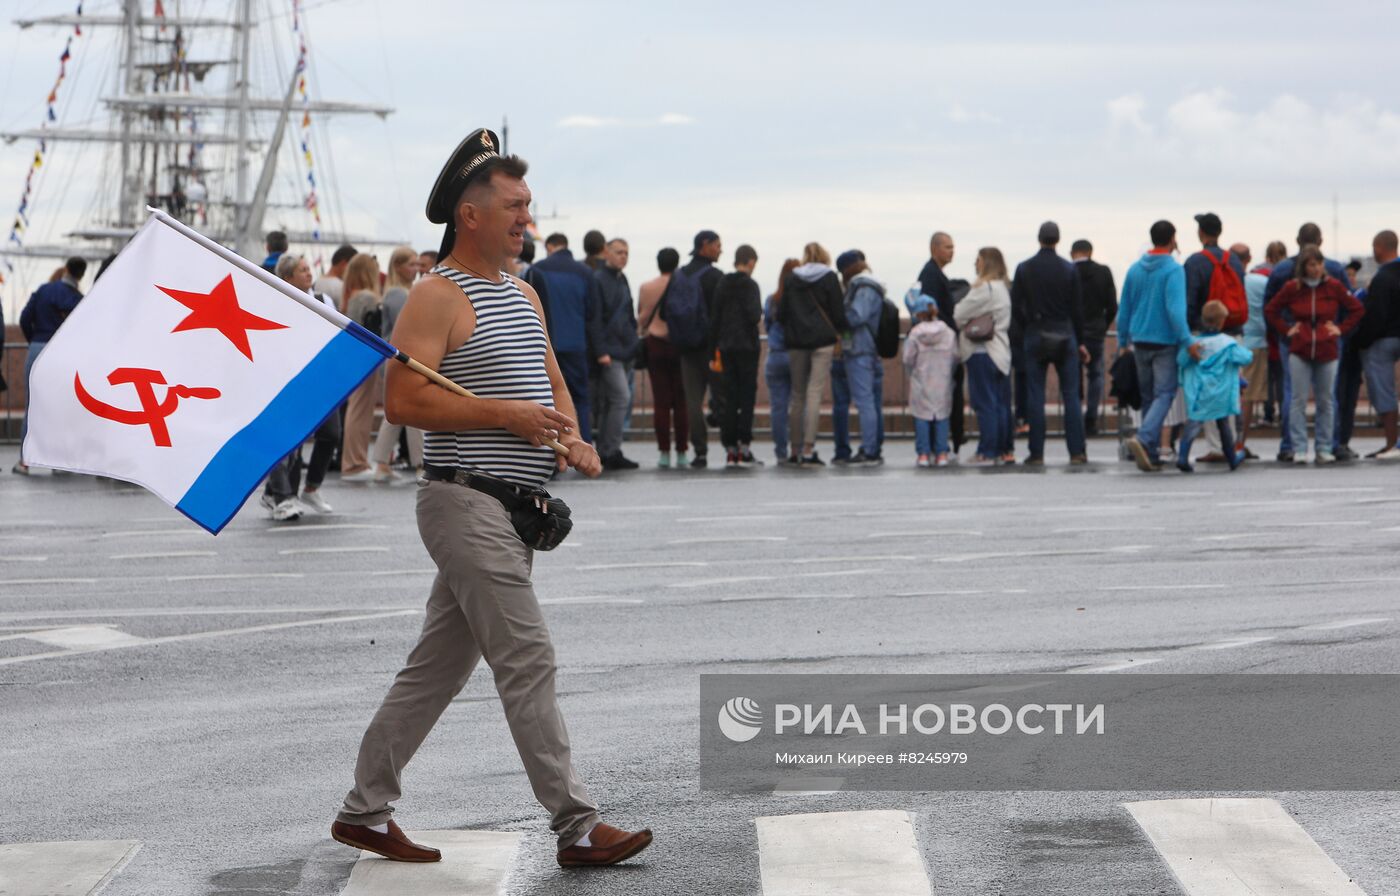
<point>848,258</point>
<point>1049,233</point>
<point>701,238</point>
<point>1209,223</point>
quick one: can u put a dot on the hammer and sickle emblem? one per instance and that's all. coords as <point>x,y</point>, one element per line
<point>153,412</point>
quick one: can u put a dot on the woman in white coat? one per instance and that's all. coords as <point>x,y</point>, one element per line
<point>984,318</point>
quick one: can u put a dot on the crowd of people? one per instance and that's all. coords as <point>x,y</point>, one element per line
<point>1294,328</point>
<point>1207,345</point>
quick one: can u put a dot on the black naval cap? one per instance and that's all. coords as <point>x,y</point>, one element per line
<point>464,163</point>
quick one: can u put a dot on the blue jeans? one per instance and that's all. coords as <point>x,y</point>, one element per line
<point>863,379</point>
<point>608,386</point>
<point>1348,391</point>
<point>1285,442</point>
<point>33,355</point>
<point>1093,395</point>
<point>779,378</point>
<point>1156,370</point>
<point>1380,358</point>
<point>840,411</point>
<point>880,401</point>
<point>990,391</point>
<point>1321,378</point>
<point>1067,369</point>
<point>938,429</point>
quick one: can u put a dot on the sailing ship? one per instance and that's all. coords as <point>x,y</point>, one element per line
<point>188,132</point>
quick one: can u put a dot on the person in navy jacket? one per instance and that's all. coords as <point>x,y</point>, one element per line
<point>574,322</point>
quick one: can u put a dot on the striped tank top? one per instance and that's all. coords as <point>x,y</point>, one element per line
<point>504,358</point>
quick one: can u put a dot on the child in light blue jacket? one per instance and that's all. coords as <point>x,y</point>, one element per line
<point>1211,385</point>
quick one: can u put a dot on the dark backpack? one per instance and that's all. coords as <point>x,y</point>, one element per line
<point>1226,288</point>
<point>887,334</point>
<point>683,309</point>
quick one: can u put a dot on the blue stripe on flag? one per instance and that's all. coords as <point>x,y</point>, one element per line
<point>285,423</point>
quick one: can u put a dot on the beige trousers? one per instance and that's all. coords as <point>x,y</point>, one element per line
<point>811,371</point>
<point>387,439</point>
<point>482,606</point>
<point>359,423</point>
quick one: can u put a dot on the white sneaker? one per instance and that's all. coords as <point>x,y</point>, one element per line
<point>314,501</point>
<point>1325,457</point>
<point>1387,454</point>
<point>287,510</point>
<point>362,476</point>
<point>1300,459</point>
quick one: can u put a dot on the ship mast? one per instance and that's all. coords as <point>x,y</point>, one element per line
<point>155,112</point>
<point>242,224</point>
<point>129,190</point>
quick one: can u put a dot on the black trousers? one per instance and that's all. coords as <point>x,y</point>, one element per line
<point>740,380</point>
<point>955,417</point>
<point>284,479</point>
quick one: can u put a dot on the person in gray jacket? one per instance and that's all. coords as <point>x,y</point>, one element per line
<point>617,347</point>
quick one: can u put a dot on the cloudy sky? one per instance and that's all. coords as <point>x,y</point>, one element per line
<point>859,125</point>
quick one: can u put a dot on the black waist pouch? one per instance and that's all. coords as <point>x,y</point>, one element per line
<point>542,522</point>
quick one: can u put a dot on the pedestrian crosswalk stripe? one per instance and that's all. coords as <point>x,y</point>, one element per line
<point>841,854</point>
<point>79,867</point>
<point>809,787</point>
<point>1239,847</point>
<point>474,863</point>
<point>84,637</point>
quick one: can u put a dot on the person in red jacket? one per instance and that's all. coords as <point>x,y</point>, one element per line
<point>1308,311</point>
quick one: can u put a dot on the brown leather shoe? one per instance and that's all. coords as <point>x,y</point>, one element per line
<point>610,846</point>
<point>394,845</point>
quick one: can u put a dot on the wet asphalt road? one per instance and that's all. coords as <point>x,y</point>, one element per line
<point>223,738</point>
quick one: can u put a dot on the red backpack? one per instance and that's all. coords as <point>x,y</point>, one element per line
<point>1226,288</point>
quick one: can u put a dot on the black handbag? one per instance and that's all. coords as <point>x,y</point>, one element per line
<point>1053,345</point>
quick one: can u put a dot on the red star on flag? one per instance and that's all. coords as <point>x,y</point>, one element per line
<point>219,310</point>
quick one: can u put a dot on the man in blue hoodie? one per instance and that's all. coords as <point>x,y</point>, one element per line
<point>864,299</point>
<point>572,311</point>
<point>1152,322</point>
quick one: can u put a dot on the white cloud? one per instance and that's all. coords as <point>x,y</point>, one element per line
<point>1126,114</point>
<point>1206,113</point>
<point>960,114</point>
<point>586,121</point>
<point>670,119</point>
<point>1286,138</point>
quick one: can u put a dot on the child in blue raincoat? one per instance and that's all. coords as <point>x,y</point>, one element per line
<point>1211,385</point>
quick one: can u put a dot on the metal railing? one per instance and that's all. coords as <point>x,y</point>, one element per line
<point>896,394</point>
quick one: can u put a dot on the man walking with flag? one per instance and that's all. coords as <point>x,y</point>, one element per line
<point>484,456</point>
